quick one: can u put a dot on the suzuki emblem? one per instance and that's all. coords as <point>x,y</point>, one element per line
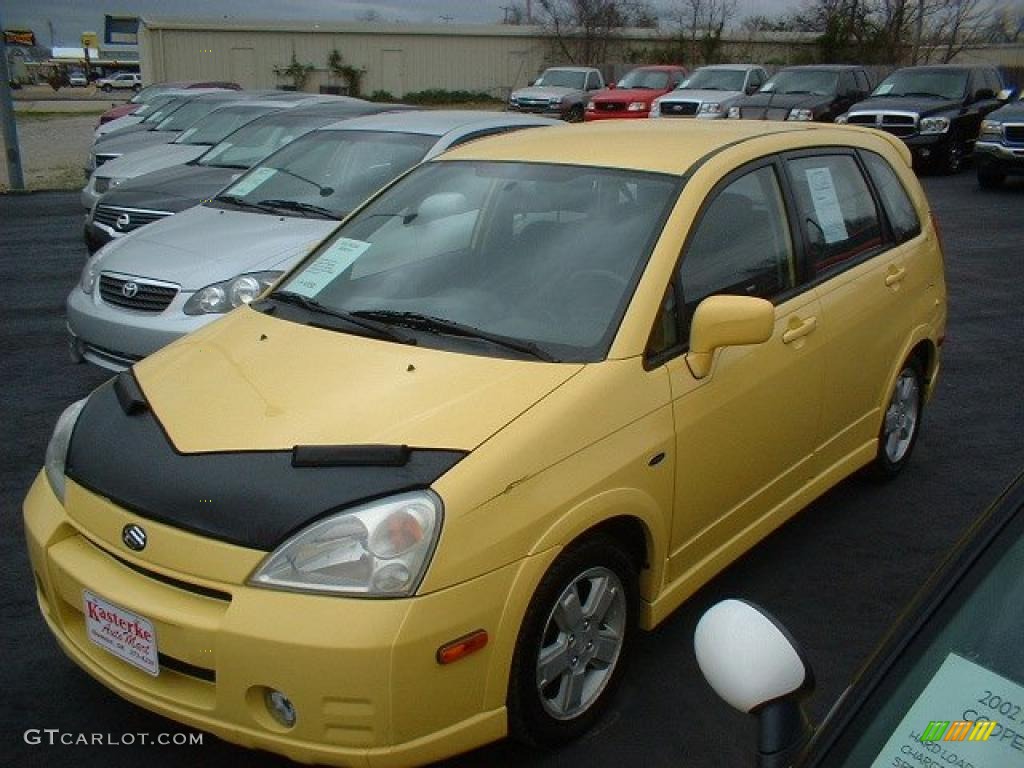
<point>134,537</point>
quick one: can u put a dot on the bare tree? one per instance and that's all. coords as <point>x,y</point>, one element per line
<point>701,24</point>
<point>582,31</point>
<point>953,26</point>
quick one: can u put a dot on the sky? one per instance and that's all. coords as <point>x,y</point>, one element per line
<point>72,17</point>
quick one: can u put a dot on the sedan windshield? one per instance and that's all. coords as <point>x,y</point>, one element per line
<point>495,257</point>
<point>715,80</point>
<point>650,79</point>
<point>563,78</point>
<point>255,141</point>
<point>943,84</point>
<point>327,173</point>
<point>189,113</point>
<point>816,81</point>
<point>218,124</point>
<point>157,111</point>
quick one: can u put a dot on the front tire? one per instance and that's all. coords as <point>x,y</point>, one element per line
<point>107,88</point>
<point>575,114</point>
<point>573,642</point>
<point>901,422</point>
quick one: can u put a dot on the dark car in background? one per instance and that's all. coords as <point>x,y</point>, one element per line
<point>936,110</point>
<point>818,93</point>
<point>999,151</point>
<point>163,193</point>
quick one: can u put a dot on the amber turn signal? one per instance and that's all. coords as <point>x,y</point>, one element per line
<point>462,647</point>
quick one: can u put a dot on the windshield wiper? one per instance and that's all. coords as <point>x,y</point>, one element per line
<point>241,202</point>
<point>295,205</point>
<point>380,330</point>
<point>440,325</point>
<point>920,94</point>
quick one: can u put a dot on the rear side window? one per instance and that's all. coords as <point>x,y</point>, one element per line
<point>898,207</point>
<point>863,84</point>
<point>835,204</point>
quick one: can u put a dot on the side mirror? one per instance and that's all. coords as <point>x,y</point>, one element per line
<point>727,321</point>
<point>612,85</point>
<point>1005,95</point>
<point>752,663</point>
<point>438,206</point>
<point>751,89</point>
<point>984,94</point>
<point>537,81</point>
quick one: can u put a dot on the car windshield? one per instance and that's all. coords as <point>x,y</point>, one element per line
<point>217,125</point>
<point>562,78</point>
<point>943,84</point>
<point>964,666</point>
<point>651,79</point>
<point>326,174</point>
<point>187,114</point>
<point>816,81</point>
<point>255,141</point>
<point>542,257</point>
<point>148,94</point>
<point>715,80</point>
<point>159,109</point>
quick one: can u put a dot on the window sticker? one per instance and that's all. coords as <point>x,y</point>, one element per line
<point>339,256</point>
<point>826,205</point>
<point>965,716</point>
<point>253,180</point>
<point>182,139</point>
<point>220,149</point>
<point>883,89</point>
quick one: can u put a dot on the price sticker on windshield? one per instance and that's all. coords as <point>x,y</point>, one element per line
<point>966,716</point>
<point>253,180</point>
<point>883,89</point>
<point>336,258</point>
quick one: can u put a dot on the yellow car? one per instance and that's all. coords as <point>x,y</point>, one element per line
<point>523,403</point>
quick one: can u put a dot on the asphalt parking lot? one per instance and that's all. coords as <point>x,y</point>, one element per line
<point>837,575</point>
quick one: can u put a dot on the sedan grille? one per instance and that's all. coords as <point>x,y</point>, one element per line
<point>896,124</point>
<point>1014,134</point>
<point>679,108</point>
<point>136,293</point>
<point>126,219</point>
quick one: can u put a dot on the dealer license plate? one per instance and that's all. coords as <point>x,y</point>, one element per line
<point>121,632</point>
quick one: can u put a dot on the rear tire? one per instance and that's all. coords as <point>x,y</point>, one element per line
<point>901,422</point>
<point>106,88</point>
<point>575,114</point>
<point>573,642</point>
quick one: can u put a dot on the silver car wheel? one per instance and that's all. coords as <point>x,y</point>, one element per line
<point>581,643</point>
<point>902,416</point>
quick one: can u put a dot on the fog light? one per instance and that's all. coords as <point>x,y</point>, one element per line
<point>280,707</point>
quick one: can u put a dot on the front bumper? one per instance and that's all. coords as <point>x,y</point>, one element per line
<point>999,157</point>
<point>362,674</point>
<point>538,109</point>
<point>594,115</point>
<point>114,338</point>
<point>926,148</point>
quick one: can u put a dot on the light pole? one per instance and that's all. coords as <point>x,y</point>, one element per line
<point>14,174</point>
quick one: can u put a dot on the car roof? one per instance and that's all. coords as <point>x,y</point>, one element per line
<point>743,67</point>
<point>438,122</point>
<point>824,67</point>
<point>573,69</point>
<point>945,67</point>
<point>659,67</point>
<point>658,146</point>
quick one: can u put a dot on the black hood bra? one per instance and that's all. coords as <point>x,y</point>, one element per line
<point>251,498</point>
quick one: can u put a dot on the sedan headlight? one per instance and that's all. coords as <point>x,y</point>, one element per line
<point>218,298</point>
<point>513,100</point>
<point>932,125</point>
<point>991,130</point>
<point>554,101</point>
<point>801,114</point>
<point>734,113</point>
<point>636,106</point>
<point>379,549</point>
<point>90,273</point>
<point>842,119</point>
<point>57,450</point>
<point>710,108</point>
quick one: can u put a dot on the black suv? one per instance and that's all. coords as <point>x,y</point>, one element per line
<point>818,93</point>
<point>999,151</point>
<point>936,110</point>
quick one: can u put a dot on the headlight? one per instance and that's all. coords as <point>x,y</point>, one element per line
<point>636,106</point>
<point>734,113</point>
<point>218,298</point>
<point>842,119</point>
<point>931,125</point>
<point>513,100</point>
<point>991,129</point>
<point>57,450</point>
<point>379,549</point>
<point>90,272</point>
<point>655,109</point>
<point>590,106</point>
<point>710,108</point>
<point>801,114</point>
<point>101,184</point>
<point>554,101</point>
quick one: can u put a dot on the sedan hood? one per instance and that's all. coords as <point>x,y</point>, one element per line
<point>918,105</point>
<point>149,159</point>
<point>545,92</point>
<point>253,382</point>
<point>204,245</point>
<point>172,189</point>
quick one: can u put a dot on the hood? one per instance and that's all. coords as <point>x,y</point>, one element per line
<point>253,382</point>
<point>149,159</point>
<point>545,92</point>
<point>1012,111</point>
<point>627,94</point>
<point>204,245</point>
<point>918,105</point>
<point>133,140</point>
<point>172,189</point>
<point>786,100</point>
<point>699,94</point>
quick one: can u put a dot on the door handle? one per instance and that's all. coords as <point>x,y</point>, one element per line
<point>799,331</point>
<point>895,275</point>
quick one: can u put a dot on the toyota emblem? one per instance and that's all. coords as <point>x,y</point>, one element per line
<point>122,221</point>
<point>134,537</point>
<point>129,289</point>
